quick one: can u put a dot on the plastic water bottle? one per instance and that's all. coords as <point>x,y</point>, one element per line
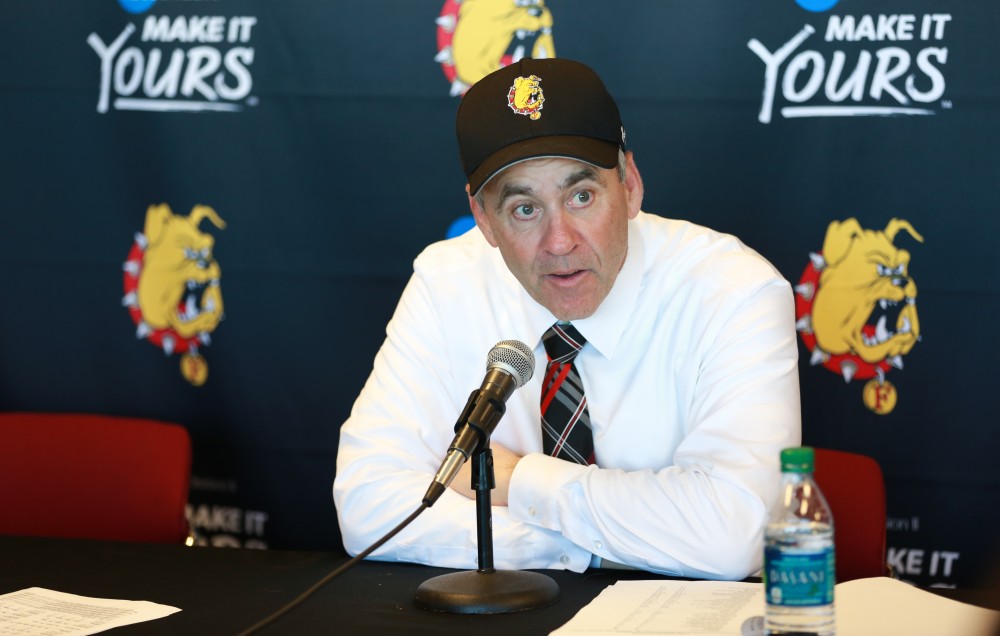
<point>799,563</point>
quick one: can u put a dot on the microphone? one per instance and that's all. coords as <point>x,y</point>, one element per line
<point>509,365</point>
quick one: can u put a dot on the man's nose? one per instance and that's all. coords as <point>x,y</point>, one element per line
<point>560,232</point>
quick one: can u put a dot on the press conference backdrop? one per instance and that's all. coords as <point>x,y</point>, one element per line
<point>210,208</point>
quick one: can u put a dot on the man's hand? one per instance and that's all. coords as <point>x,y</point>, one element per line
<point>504,461</point>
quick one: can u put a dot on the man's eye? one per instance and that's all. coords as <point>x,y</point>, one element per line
<point>524,211</point>
<point>582,198</point>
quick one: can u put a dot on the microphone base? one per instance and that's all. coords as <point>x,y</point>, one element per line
<point>492,592</point>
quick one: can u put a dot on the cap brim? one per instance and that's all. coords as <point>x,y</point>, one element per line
<point>597,152</point>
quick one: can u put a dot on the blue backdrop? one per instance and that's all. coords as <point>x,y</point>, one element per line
<point>320,135</point>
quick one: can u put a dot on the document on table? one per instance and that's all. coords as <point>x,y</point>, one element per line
<point>37,610</point>
<point>702,608</point>
<point>864,607</point>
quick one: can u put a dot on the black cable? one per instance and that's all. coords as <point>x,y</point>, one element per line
<point>332,575</point>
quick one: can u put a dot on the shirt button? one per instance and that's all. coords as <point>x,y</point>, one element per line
<point>598,545</point>
<point>564,559</point>
<point>531,511</point>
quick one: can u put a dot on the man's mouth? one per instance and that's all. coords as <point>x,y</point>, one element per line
<point>568,277</point>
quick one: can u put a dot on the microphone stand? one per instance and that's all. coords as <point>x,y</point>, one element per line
<point>486,590</point>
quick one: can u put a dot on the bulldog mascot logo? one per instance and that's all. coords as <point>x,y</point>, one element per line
<point>172,286</point>
<point>856,307</point>
<point>525,96</point>
<point>476,37</point>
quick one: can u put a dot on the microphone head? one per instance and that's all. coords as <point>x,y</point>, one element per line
<point>514,357</point>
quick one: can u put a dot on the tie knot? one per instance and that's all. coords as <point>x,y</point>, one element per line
<point>562,342</point>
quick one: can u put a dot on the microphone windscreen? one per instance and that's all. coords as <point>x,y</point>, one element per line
<point>514,357</point>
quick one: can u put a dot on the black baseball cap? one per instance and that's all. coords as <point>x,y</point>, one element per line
<point>537,108</point>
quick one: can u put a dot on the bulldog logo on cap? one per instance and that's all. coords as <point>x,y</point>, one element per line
<point>525,96</point>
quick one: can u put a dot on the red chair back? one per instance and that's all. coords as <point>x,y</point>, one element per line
<point>93,477</point>
<point>853,486</point>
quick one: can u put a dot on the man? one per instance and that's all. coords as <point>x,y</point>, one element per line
<point>664,456</point>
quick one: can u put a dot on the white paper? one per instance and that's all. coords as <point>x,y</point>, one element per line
<point>864,607</point>
<point>886,607</point>
<point>702,608</point>
<point>36,610</point>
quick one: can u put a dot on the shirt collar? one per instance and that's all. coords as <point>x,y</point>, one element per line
<point>604,329</point>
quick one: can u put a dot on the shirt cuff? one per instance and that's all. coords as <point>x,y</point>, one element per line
<point>534,491</point>
<point>537,487</point>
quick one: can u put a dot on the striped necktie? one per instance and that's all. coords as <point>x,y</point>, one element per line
<point>566,430</point>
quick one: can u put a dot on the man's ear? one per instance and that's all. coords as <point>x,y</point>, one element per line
<point>633,186</point>
<point>482,222</point>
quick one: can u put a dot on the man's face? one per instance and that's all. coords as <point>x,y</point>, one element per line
<point>562,228</point>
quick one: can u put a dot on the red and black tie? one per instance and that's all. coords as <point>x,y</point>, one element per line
<point>566,432</point>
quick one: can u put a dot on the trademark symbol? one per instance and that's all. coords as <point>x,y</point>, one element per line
<point>946,103</point>
<point>252,100</point>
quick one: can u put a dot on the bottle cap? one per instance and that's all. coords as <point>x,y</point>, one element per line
<point>797,460</point>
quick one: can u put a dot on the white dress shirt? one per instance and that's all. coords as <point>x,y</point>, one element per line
<point>690,371</point>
